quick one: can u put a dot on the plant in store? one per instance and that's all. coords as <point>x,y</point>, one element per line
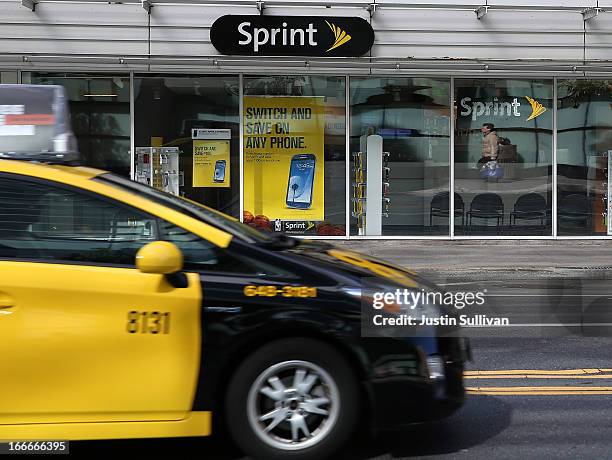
<point>585,92</point>
<point>578,91</point>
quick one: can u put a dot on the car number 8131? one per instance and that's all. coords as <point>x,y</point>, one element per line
<point>148,322</point>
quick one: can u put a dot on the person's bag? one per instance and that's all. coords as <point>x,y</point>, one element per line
<point>506,151</point>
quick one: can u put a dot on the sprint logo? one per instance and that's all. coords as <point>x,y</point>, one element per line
<point>294,226</point>
<point>340,36</point>
<point>497,108</point>
<point>259,37</point>
<point>537,109</point>
<point>262,35</point>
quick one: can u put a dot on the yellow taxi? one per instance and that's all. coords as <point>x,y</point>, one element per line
<point>126,312</point>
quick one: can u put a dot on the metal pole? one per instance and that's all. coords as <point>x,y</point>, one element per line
<point>451,158</point>
<point>132,129</point>
<point>554,157</point>
<point>347,160</point>
<point>241,144</point>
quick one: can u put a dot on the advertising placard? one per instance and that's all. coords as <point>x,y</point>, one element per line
<point>284,157</point>
<point>211,157</point>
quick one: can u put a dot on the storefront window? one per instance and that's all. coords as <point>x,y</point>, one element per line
<point>187,137</point>
<point>100,114</point>
<point>294,154</point>
<point>400,139</point>
<point>8,77</point>
<point>584,145</point>
<point>503,157</point>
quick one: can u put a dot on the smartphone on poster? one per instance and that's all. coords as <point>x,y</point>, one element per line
<point>219,175</point>
<point>301,181</point>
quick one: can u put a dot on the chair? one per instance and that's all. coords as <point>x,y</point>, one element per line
<point>575,208</point>
<point>486,206</point>
<point>440,204</point>
<point>531,206</point>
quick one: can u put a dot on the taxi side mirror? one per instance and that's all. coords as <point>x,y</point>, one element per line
<point>161,257</point>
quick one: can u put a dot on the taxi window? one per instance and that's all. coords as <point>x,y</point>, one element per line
<point>45,222</point>
<point>197,253</point>
<point>201,256</point>
<point>191,208</point>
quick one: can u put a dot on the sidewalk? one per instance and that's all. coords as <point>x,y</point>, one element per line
<point>494,258</point>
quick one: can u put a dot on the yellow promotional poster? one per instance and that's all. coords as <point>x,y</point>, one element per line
<point>211,163</point>
<point>284,157</point>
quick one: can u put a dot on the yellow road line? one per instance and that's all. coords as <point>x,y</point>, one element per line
<point>534,374</point>
<point>484,392</point>
<point>527,389</point>
<point>538,391</point>
<point>538,371</point>
<point>532,377</point>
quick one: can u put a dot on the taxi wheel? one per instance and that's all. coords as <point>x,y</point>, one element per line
<point>292,399</point>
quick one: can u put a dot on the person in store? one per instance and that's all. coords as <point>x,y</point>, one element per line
<point>489,143</point>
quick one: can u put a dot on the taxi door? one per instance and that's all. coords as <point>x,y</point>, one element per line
<point>84,335</point>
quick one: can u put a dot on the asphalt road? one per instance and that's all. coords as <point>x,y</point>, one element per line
<point>534,392</point>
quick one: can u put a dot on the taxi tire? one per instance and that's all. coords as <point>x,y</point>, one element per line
<point>306,349</point>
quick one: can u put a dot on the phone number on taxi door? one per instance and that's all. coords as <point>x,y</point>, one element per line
<point>285,291</point>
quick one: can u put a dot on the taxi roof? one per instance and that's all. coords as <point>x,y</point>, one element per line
<point>49,171</point>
